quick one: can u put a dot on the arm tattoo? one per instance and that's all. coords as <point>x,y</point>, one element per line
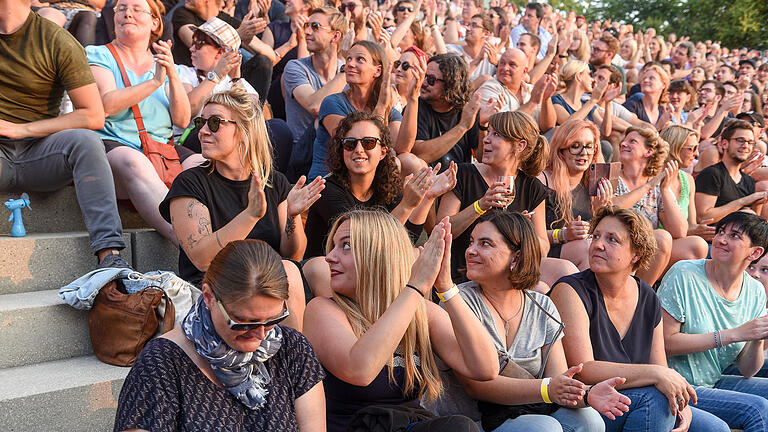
<point>190,206</point>
<point>203,226</point>
<point>290,227</point>
<point>192,241</point>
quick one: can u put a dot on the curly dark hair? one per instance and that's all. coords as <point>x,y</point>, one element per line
<point>387,184</point>
<point>458,87</point>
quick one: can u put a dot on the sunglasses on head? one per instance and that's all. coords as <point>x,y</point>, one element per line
<point>368,143</point>
<point>405,65</point>
<point>240,326</point>
<point>213,122</point>
<point>314,25</point>
<point>431,79</point>
<point>404,8</point>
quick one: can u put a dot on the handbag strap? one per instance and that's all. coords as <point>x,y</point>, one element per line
<point>127,83</point>
<point>169,317</point>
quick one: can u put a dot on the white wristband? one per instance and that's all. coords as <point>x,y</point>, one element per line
<point>447,295</point>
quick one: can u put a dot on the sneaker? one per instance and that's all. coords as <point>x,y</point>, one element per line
<point>114,260</point>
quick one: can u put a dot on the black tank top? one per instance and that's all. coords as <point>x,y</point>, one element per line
<point>343,400</point>
<point>606,343</point>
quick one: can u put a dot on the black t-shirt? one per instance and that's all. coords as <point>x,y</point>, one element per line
<point>334,201</point>
<point>471,186</point>
<point>606,344</point>
<point>581,205</point>
<point>715,180</point>
<point>166,391</point>
<point>183,16</point>
<point>225,199</point>
<point>635,106</point>
<point>432,124</point>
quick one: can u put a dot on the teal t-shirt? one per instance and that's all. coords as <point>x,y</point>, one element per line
<point>155,109</point>
<point>687,295</point>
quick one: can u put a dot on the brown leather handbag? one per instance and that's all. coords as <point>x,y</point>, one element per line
<point>121,324</point>
<point>163,157</point>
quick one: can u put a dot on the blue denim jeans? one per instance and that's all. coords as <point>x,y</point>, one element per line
<point>530,423</point>
<point>648,412</point>
<point>740,402</point>
<point>579,420</point>
<point>734,370</point>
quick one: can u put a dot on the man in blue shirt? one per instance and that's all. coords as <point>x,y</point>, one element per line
<point>530,22</point>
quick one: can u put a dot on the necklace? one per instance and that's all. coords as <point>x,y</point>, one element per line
<point>506,321</point>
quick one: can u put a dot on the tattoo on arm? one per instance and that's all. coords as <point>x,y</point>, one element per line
<point>290,227</point>
<point>203,226</point>
<point>192,241</point>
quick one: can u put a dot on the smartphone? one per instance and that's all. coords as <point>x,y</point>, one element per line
<point>599,171</point>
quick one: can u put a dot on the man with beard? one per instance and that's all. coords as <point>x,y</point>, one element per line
<point>722,188</point>
<point>357,12</point>
<point>477,50</point>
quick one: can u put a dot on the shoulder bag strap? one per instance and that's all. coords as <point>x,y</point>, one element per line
<point>127,83</point>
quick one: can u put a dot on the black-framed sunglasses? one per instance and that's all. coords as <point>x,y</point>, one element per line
<point>405,65</point>
<point>404,8</point>
<point>199,43</point>
<point>347,6</point>
<point>576,149</point>
<point>240,326</point>
<point>368,143</point>
<point>213,122</point>
<point>431,79</point>
<point>315,26</point>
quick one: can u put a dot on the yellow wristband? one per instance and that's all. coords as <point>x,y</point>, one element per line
<point>478,210</point>
<point>556,236</point>
<point>449,294</point>
<point>545,390</point>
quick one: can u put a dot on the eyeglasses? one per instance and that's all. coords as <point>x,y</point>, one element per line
<point>576,149</point>
<point>405,65</point>
<point>213,122</point>
<point>594,48</point>
<point>742,141</point>
<point>368,143</point>
<point>315,26</point>
<point>431,79</point>
<point>122,9</point>
<point>404,8</point>
<point>344,6</point>
<point>240,326</point>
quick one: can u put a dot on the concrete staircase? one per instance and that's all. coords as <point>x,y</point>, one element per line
<point>49,378</point>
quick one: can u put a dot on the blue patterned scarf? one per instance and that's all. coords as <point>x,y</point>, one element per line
<point>242,374</point>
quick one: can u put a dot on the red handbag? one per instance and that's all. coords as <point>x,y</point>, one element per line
<point>163,157</point>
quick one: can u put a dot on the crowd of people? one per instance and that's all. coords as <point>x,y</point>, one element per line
<point>415,214</point>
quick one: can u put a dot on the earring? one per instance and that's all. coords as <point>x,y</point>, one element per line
<point>512,267</point>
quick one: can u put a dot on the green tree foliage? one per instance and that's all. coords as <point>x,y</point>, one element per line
<point>736,23</point>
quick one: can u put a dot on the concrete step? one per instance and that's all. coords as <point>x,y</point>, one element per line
<point>78,394</point>
<point>47,261</point>
<point>40,262</point>
<point>39,327</point>
<point>58,211</point>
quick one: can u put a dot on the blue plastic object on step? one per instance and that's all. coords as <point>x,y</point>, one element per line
<point>15,206</point>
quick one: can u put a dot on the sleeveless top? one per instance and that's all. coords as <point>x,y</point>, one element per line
<point>607,345</point>
<point>343,400</point>
<point>559,100</point>
<point>685,194</point>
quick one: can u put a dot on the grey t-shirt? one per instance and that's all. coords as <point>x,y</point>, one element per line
<point>535,331</point>
<point>298,72</point>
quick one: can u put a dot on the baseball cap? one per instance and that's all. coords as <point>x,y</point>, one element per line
<point>753,117</point>
<point>750,61</point>
<point>224,34</point>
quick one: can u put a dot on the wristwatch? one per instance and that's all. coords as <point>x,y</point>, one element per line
<point>213,76</point>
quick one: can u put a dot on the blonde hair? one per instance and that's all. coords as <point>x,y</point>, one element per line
<point>383,256</point>
<point>664,76</point>
<point>654,142</point>
<point>517,125</point>
<point>562,138</point>
<point>582,53</point>
<point>254,148</point>
<point>676,136</point>
<point>569,71</point>
<point>632,44</point>
<point>662,54</point>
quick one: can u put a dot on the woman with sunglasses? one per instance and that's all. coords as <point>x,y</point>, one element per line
<point>408,83</point>
<point>369,89</point>
<point>503,267</point>
<point>231,356</point>
<point>644,185</point>
<point>379,338</point>
<point>514,154</point>
<point>574,148</point>
<point>613,327</point>
<point>238,195</point>
<point>157,89</point>
<point>684,149</point>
